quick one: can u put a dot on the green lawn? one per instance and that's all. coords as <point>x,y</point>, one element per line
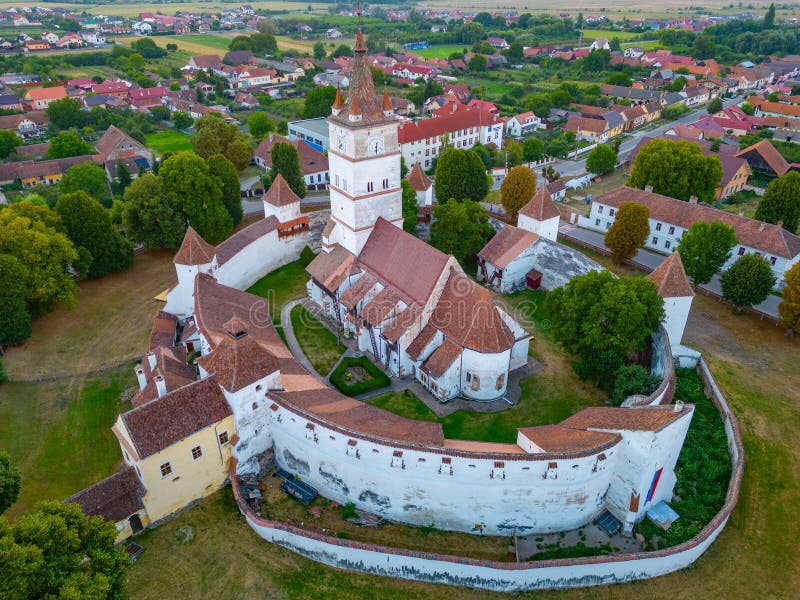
<point>281,286</point>
<point>212,40</point>
<point>589,35</point>
<point>358,375</point>
<point>404,403</point>
<point>440,51</point>
<point>318,343</point>
<point>169,140</point>
<point>60,433</point>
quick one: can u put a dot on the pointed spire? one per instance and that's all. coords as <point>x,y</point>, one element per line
<point>387,103</point>
<point>354,108</point>
<point>337,103</point>
<point>360,45</point>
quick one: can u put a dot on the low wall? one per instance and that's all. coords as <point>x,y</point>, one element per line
<point>319,545</point>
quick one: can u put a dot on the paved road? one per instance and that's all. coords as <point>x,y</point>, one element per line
<point>650,260</point>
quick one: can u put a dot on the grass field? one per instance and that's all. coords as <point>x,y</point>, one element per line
<point>590,35</point>
<point>281,286</point>
<point>318,343</point>
<point>112,321</point>
<point>440,51</point>
<point>168,141</point>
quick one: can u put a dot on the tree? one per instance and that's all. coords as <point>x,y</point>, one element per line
<point>596,61</point>
<point>9,141</point>
<point>9,481</point>
<point>286,161</point>
<point>477,63</point>
<point>59,552</point>
<point>676,169</point>
<point>221,167</point>
<point>628,231</point>
<point>182,120</point>
<point>319,101</point>
<point>516,190</point>
<point>66,144</point>
<point>747,108</point>
<point>781,202</point>
<point>604,319</point>
<point>187,176</point>
<point>704,248</point>
<point>214,136</point>
<point>714,106</point>
<point>460,228</point>
<point>748,281</point>
<point>515,52</point>
<point>769,17</point>
<point>33,235</point>
<point>410,210</point>
<point>89,227</point>
<point>259,125</point>
<point>123,176</point>
<point>15,320</point>
<point>88,177</point>
<point>461,175</point>
<point>619,78</point>
<point>601,160</point>
<point>319,51</point>
<point>703,47</point>
<point>789,308</point>
<point>532,149</point>
<point>550,174</point>
<point>151,215</point>
<point>66,113</point>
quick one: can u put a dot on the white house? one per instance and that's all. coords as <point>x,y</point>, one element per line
<point>670,218</point>
<point>600,44</point>
<point>540,215</point>
<point>673,286</point>
<point>95,38</point>
<point>141,28</point>
<point>523,124</point>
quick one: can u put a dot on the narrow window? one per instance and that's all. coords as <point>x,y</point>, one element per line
<point>166,469</point>
<point>223,438</point>
<point>197,452</point>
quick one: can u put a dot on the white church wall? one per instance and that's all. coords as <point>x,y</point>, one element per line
<point>677,314</point>
<point>180,299</point>
<point>488,374</point>
<point>547,229</point>
<point>262,256</point>
<point>499,493</point>
<point>285,213</point>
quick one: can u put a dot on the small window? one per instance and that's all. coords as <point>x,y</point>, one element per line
<point>741,251</point>
<point>658,226</point>
<point>166,469</point>
<point>223,438</point>
<point>772,260</point>
<point>469,376</point>
<point>600,209</point>
<point>612,212</point>
<point>671,230</point>
<point>197,452</point>
<point>369,186</point>
<point>597,222</point>
<point>255,405</point>
<point>608,225</point>
<point>655,240</point>
<point>667,244</point>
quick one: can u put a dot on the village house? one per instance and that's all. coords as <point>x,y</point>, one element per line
<point>119,148</point>
<point>32,124</point>
<point>313,164</point>
<point>671,218</point>
<point>523,124</point>
<point>764,158</point>
<point>40,98</point>
<point>422,185</point>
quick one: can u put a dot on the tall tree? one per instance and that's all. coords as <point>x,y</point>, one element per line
<point>781,202</point>
<point>601,160</point>
<point>259,125</point>
<point>789,308</point>
<point>32,235</point>
<point>714,106</point>
<point>9,141</point>
<point>214,136</point>
<point>748,281</point>
<point>66,113</point>
<point>187,177</point>
<point>628,232</point>
<point>319,101</point>
<point>89,227</point>
<point>460,228</point>
<point>59,552</point>
<point>769,17</point>
<point>88,177</point>
<point>15,320</point>
<point>151,215</point>
<point>704,248</point>
<point>517,189</point>
<point>123,176</point>
<point>66,144</point>
<point>9,481</point>
<point>604,319</point>
<point>182,120</point>
<point>410,209</point>
<point>533,149</point>
<point>221,167</point>
<point>461,175</point>
<point>676,169</point>
<point>286,161</point>
<point>319,51</point>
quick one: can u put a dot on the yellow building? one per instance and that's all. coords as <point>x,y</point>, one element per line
<point>179,445</point>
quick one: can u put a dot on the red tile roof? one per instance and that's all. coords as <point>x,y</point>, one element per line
<point>506,245</point>
<point>648,418</point>
<point>541,207</point>
<point>756,234</point>
<point>237,363</point>
<point>768,154</point>
<point>560,439</point>
<point>244,237</point>
<point>441,358</point>
<point>330,269</point>
<point>194,250</point>
<point>419,343</point>
<point>279,193</point>
<point>114,498</point>
<point>311,161</point>
<point>417,178</point>
<point>670,278</point>
<point>444,123</point>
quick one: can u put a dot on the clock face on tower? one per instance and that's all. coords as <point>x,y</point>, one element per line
<point>340,141</point>
<point>375,145</point>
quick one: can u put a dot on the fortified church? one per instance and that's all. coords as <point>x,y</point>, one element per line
<point>246,404</point>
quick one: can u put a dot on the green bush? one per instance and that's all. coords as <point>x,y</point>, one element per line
<point>631,380</point>
<point>306,256</point>
<point>377,380</point>
<point>3,376</point>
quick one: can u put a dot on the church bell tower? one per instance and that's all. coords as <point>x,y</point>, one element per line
<point>363,159</point>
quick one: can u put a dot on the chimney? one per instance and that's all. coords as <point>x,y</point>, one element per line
<point>140,377</point>
<point>779,223</point>
<point>763,225</point>
<point>648,189</point>
<point>161,385</point>
<point>692,199</point>
<point>151,360</point>
<point>678,406</point>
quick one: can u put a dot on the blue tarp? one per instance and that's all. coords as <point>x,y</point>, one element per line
<point>663,515</point>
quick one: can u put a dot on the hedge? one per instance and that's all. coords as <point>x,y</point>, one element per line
<point>378,379</point>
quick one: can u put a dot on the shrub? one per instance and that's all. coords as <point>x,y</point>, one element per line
<point>377,378</point>
<point>631,380</point>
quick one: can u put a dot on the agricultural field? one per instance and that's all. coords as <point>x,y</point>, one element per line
<point>439,51</point>
<point>590,35</point>
<point>134,8</point>
<point>170,140</point>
